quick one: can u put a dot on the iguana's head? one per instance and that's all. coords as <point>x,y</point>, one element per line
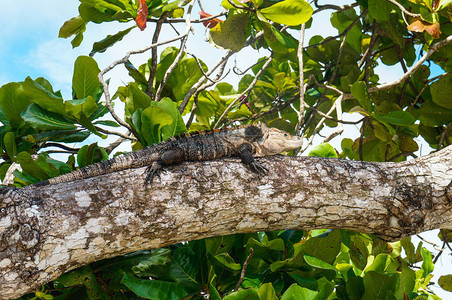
<point>275,141</point>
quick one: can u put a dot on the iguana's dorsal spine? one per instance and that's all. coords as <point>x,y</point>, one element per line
<point>245,142</point>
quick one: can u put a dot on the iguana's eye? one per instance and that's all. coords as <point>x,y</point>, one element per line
<point>285,134</point>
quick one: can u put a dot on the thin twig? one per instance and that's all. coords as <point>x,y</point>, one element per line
<point>125,136</point>
<point>170,21</point>
<point>124,60</point>
<point>171,68</point>
<point>109,149</point>
<point>346,30</point>
<point>444,136</point>
<point>425,86</point>
<point>72,150</point>
<point>225,58</point>
<point>331,6</point>
<point>404,10</point>
<point>245,265</point>
<point>240,6</point>
<point>153,69</point>
<point>245,92</point>
<point>414,68</point>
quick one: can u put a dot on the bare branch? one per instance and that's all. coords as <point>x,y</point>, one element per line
<point>245,92</point>
<point>346,30</point>
<point>404,11</point>
<point>171,21</point>
<point>301,76</point>
<point>332,6</point>
<point>245,264</point>
<point>153,69</point>
<point>414,68</point>
<point>171,68</point>
<point>125,136</point>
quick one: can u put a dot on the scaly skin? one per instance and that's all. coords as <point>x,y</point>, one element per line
<point>245,142</point>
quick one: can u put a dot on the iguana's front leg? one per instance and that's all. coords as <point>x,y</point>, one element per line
<point>169,157</point>
<point>245,152</point>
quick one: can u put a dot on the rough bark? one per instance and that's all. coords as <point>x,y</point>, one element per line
<point>47,231</point>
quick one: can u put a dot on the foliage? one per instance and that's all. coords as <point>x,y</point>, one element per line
<point>169,95</point>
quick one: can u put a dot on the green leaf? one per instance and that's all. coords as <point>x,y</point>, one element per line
<point>434,115</point>
<point>156,265</point>
<point>441,91</point>
<point>324,248</point>
<point>232,33</point>
<point>359,91</point>
<point>42,119</point>
<point>288,12</point>
<point>406,283</point>
<point>399,118</point>
<point>227,262</point>
<point>323,150</point>
<point>30,166</point>
<point>427,264</point>
<point>155,289</point>
<point>43,97</point>
<point>153,119</point>
<point>78,107</point>
<point>318,263</point>
<point>10,144</point>
<point>380,10</point>
<point>85,81</point>
<point>296,292</point>
<point>383,263</point>
<point>379,286</point>
<point>73,26</point>
<point>110,40</point>
<point>445,282</point>
<point>12,102</point>
<point>177,127</point>
<point>248,294</point>
<point>90,154</point>
<point>267,292</point>
<point>185,267</point>
<point>107,123</point>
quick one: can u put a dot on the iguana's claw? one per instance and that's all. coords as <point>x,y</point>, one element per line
<point>258,168</point>
<point>151,172</point>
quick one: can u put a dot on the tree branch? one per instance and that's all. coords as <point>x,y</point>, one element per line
<point>49,230</point>
<point>414,68</point>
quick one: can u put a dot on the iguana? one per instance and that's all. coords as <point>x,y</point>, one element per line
<point>245,142</point>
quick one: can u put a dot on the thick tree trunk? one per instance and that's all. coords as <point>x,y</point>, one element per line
<point>47,231</point>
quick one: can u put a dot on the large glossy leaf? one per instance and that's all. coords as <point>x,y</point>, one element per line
<point>379,286</point>
<point>110,40</point>
<point>288,12</point>
<point>43,97</point>
<point>30,166</point>
<point>323,150</point>
<point>324,248</point>
<point>85,81</point>
<point>185,267</point>
<point>42,119</point>
<point>232,33</point>
<point>153,119</point>
<point>441,91</point>
<point>434,115</point>
<point>9,141</point>
<point>12,102</point>
<point>248,294</point>
<point>72,26</point>
<point>177,126</point>
<point>75,108</point>
<point>296,292</point>
<point>399,118</point>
